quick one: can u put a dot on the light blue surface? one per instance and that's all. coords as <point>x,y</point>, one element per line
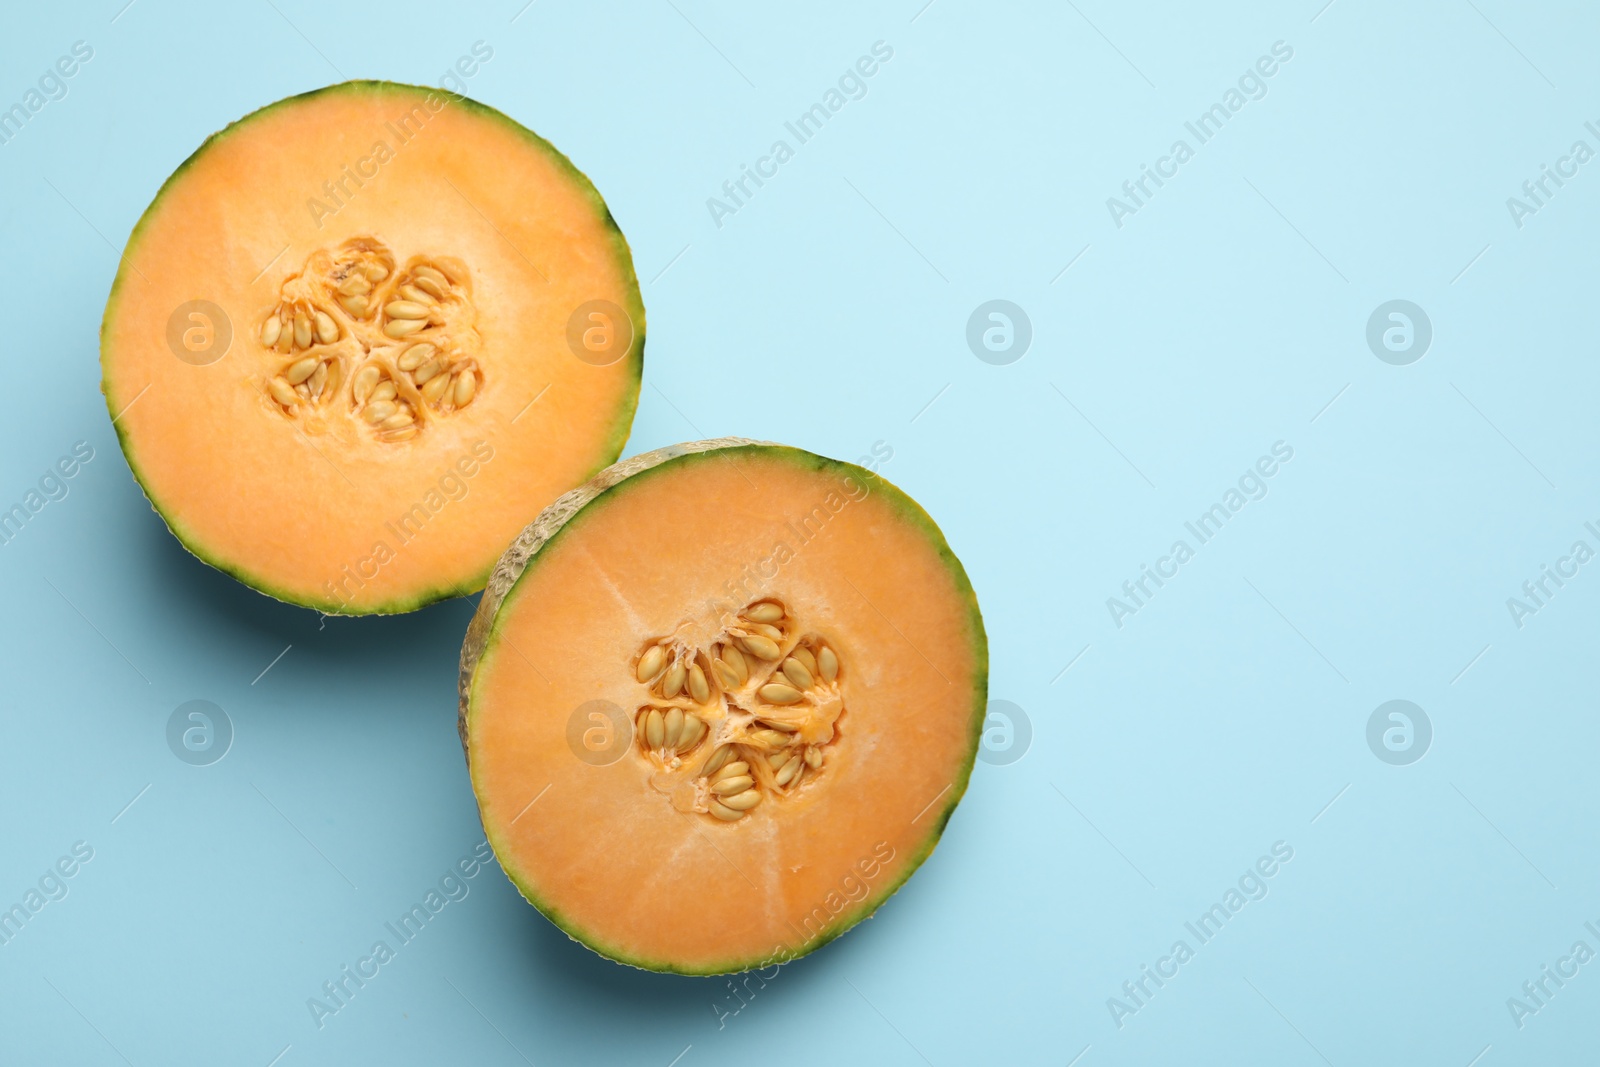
<point>1228,313</point>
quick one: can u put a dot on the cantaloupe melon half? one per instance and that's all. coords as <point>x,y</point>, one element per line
<point>719,703</point>
<point>360,335</point>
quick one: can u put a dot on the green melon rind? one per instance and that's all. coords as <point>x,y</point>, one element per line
<point>621,425</point>
<point>482,641</point>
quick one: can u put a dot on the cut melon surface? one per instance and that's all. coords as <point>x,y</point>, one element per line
<point>720,702</point>
<point>360,335</point>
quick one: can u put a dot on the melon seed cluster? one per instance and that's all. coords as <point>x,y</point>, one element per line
<point>396,346</point>
<point>747,719</point>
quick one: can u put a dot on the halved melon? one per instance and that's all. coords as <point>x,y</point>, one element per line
<point>719,703</point>
<point>360,335</point>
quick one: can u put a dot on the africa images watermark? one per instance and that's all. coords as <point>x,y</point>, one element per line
<point>52,886</point>
<point>52,487</point>
<point>1538,191</point>
<point>451,486</point>
<point>453,887</point>
<point>1538,992</point>
<point>337,192</point>
<point>52,85</point>
<point>1252,886</point>
<point>1252,485</point>
<point>754,578</point>
<point>1137,192</point>
<point>1538,592</point>
<point>852,888</point>
<point>852,85</point>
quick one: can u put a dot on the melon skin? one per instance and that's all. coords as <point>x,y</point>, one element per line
<point>559,518</point>
<point>124,289</point>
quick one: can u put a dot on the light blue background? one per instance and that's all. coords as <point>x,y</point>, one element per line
<point>830,313</point>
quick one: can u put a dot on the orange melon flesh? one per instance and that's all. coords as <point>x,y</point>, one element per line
<point>315,509</point>
<point>605,853</point>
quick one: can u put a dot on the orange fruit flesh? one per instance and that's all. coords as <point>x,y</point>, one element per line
<point>604,852</point>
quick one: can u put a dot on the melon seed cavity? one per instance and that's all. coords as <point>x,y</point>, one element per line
<point>748,719</point>
<point>355,335</point>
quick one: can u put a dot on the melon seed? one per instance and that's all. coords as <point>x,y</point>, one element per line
<point>765,631</point>
<point>650,663</point>
<point>728,787</point>
<point>672,728</point>
<point>672,684</point>
<point>827,664</point>
<point>385,391</point>
<point>788,772</point>
<point>697,685</point>
<point>400,418</point>
<point>466,388</point>
<point>319,378</point>
<point>718,759</point>
<point>426,371</point>
<point>694,729</point>
<point>725,813</point>
<point>731,770</point>
<point>405,309</point>
<point>283,392</point>
<point>796,672</point>
<point>327,332</point>
<point>429,286</point>
<point>302,330</point>
<point>415,356</point>
<point>357,306</point>
<point>300,370</point>
<point>742,801</point>
<point>760,647</point>
<point>366,381</point>
<point>433,274</point>
<point>804,656</point>
<point>786,727</point>
<point>378,411</point>
<point>270,330</point>
<point>654,728</point>
<point>736,664</point>
<point>725,674</point>
<point>766,611</point>
<point>767,739</point>
<point>398,328</point>
<point>434,388</point>
<point>776,693</point>
<point>375,272</point>
<point>777,759</point>
<point>813,757</point>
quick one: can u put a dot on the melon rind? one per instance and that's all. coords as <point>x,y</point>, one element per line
<point>523,553</point>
